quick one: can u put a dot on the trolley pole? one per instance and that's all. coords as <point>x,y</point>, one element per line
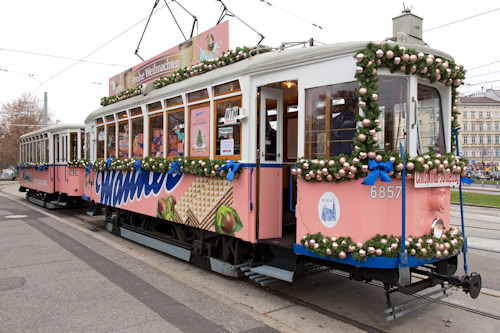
<point>45,110</point>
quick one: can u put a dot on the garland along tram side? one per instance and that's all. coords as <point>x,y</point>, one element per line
<point>203,164</point>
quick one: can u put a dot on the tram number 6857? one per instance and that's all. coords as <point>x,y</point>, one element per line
<point>383,191</point>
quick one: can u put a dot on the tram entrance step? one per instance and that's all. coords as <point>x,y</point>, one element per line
<point>274,272</point>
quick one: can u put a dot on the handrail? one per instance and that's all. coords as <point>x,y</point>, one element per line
<point>291,190</point>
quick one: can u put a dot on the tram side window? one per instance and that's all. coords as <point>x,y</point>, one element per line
<point>137,137</point>
<point>39,150</point>
<point>87,145</point>
<point>82,145</point>
<point>228,136</point>
<point>430,121</point>
<point>175,132</point>
<point>330,120</point>
<point>73,146</point>
<point>101,138</point>
<point>123,139</point>
<point>56,148</point>
<point>46,149</point>
<point>156,135</point>
<point>393,96</point>
<point>111,140</point>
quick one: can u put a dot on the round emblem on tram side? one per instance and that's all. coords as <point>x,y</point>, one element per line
<point>329,209</point>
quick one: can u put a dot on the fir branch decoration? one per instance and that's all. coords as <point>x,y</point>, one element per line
<point>202,168</point>
<point>228,58</point>
<point>426,246</point>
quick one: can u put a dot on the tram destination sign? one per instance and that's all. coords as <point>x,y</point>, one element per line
<point>427,179</point>
<point>208,45</point>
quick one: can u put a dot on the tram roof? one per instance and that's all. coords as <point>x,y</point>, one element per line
<point>53,128</point>
<point>251,65</point>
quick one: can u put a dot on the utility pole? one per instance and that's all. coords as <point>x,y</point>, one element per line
<point>45,110</point>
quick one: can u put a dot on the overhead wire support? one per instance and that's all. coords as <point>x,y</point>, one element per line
<point>195,23</point>
<point>147,23</point>
<point>173,16</point>
<point>227,12</point>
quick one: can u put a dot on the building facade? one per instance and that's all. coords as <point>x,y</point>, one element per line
<point>479,137</point>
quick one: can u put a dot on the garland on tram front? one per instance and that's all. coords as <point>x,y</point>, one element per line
<point>397,59</point>
<point>426,246</point>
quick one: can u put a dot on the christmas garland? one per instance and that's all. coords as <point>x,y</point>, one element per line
<point>426,246</point>
<point>83,163</point>
<point>202,168</point>
<point>341,168</point>
<point>122,96</point>
<point>31,165</point>
<point>205,66</point>
<point>396,59</point>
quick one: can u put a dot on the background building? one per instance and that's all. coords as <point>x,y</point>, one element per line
<point>479,137</point>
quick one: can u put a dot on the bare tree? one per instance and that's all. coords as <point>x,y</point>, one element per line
<point>14,118</point>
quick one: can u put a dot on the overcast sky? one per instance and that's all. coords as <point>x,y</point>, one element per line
<point>109,30</point>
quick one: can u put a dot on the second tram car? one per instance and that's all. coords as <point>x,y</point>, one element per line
<point>45,174</point>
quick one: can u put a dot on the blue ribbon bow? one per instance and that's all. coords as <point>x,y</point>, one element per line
<point>42,167</point>
<point>175,166</point>
<point>157,140</point>
<point>108,162</point>
<point>231,167</point>
<point>376,169</point>
<point>466,180</point>
<point>88,167</point>
<point>137,166</point>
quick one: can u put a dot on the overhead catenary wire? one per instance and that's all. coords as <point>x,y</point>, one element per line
<point>304,20</point>
<point>59,57</point>
<point>461,20</point>
<point>33,76</point>
<point>97,49</point>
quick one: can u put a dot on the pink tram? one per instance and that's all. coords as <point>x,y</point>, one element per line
<point>262,161</point>
<point>45,174</point>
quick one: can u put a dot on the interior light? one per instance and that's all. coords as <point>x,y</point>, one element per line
<point>289,84</point>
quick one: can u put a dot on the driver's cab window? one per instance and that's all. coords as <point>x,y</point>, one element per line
<point>393,98</point>
<point>430,121</point>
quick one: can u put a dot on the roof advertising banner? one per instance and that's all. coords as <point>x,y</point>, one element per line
<point>206,46</point>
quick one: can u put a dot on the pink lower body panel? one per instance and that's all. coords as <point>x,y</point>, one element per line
<point>350,209</point>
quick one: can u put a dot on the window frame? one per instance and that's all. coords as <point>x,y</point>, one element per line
<point>238,123</point>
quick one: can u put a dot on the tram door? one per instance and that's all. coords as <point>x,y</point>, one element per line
<point>270,163</point>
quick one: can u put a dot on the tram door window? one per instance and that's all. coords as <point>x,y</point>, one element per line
<point>270,163</point>
<point>101,138</point>
<point>393,98</point>
<point>73,146</point>
<point>430,121</point>
<point>46,148</point>
<point>87,146</point>
<point>56,148</point>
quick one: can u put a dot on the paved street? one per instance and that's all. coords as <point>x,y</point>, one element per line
<point>56,275</point>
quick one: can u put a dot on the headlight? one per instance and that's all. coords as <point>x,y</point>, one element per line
<point>437,228</point>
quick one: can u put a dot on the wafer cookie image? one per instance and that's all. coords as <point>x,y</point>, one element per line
<point>200,203</point>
